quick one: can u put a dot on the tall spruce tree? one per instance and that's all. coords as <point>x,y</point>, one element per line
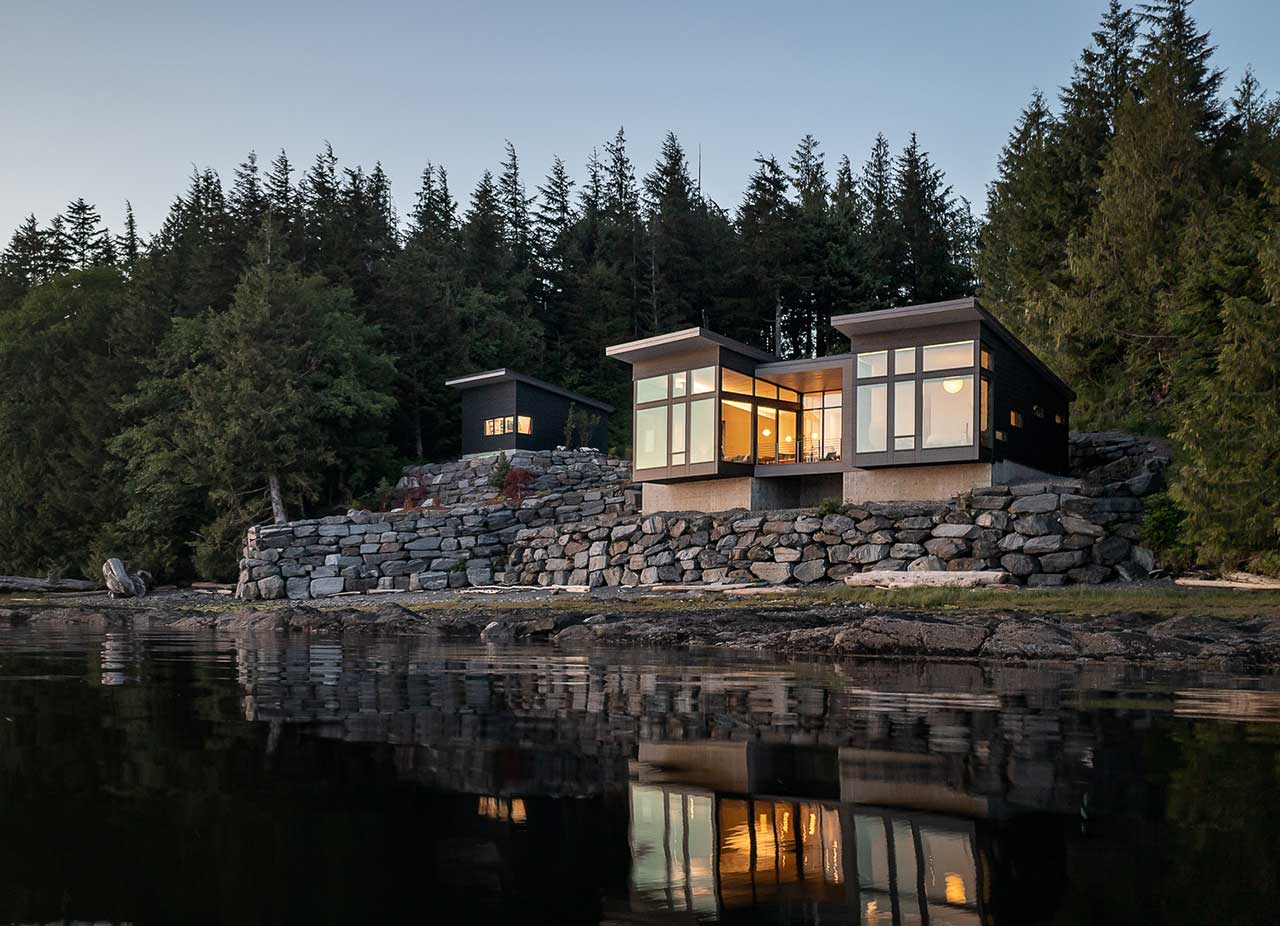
<point>882,234</point>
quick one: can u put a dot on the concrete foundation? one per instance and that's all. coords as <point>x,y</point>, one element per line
<point>914,483</point>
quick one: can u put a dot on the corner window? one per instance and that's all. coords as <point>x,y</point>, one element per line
<point>904,360</point>
<point>949,356</point>
<point>873,424</point>
<point>986,361</point>
<point>1015,419</point>
<point>874,363</point>
<point>651,437</point>
<point>704,380</point>
<point>788,395</point>
<point>495,427</point>
<point>525,424</point>
<point>904,415</point>
<point>766,390</point>
<point>1057,419</point>
<point>947,411</point>
<point>651,389</point>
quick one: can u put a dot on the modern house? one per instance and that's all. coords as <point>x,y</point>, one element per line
<point>506,410</point>
<point>930,401</point>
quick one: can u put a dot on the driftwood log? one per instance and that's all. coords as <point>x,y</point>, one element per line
<point>121,583</point>
<point>24,584</point>
<point>926,578</point>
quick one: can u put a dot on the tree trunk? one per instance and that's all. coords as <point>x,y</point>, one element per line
<point>23,584</point>
<point>278,513</point>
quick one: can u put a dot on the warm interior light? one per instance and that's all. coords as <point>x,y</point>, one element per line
<point>789,439</point>
<point>953,385</point>
<point>954,888</point>
<point>766,432</point>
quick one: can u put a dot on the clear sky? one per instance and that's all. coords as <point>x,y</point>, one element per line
<point>120,100</point>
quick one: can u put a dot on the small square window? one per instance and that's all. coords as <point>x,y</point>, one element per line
<point>704,380</point>
<point>1015,419</point>
<point>904,360</point>
<point>987,362</point>
<point>679,384</point>
<point>1000,435</point>
<point>526,424</point>
<point>832,399</point>
<point>1037,410</point>
<point>1057,419</point>
<point>904,443</point>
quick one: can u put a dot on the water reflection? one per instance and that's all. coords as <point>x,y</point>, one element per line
<point>529,785</point>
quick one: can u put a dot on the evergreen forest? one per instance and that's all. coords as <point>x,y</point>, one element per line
<point>285,328</point>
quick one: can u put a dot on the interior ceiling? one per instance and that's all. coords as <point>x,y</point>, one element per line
<point>825,379</point>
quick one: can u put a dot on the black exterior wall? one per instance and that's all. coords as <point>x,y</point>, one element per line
<point>546,410</point>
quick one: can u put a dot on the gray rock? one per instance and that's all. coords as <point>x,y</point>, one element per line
<point>810,570</point>
<point>957,531</point>
<point>1046,580</point>
<point>1143,557</point>
<point>1033,504</point>
<point>808,525</point>
<point>298,588</point>
<point>1061,562</point>
<point>1019,564</point>
<point>776,573</point>
<point>1111,550</point>
<point>927,564</point>
<point>1075,525</point>
<point>945,547</point>
<point>1092,574</point>
<point>497,632</point>
<point>1045,543</point>
<point>786,554</point>
<point>324,588</point>
<point>906,550</point>
<point>271,588</point>
<point>869,553</point>
<point>1019,638</point>
<point>892,636</point>
<point>1034,525</point>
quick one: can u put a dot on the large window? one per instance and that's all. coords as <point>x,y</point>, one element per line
<point>651,437</point>
<point>651,389</point>
<point>702,430</point>
<point>951,356</point>
<point>735,431</point>
<point>509,424</point>
<point>775,435</point>
<point>947,411</point>
<point>822,426</point>
<point>873,418</point>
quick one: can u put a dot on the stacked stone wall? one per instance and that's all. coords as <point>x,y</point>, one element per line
<point>414,550</point>
<point>466,481</point>
<point>1041,534</point>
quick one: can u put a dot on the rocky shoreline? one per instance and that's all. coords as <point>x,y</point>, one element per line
<point>840,630</point>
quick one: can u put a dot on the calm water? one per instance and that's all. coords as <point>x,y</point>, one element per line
<point>164,778</point>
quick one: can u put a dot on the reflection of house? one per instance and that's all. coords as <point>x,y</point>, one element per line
<point>506,410</point>
<point>932,400</point>
<point>706,849</point>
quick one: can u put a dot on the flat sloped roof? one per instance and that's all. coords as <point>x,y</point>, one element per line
<point>504,375</point>
<point>661,344</point>
<point>942,313</point>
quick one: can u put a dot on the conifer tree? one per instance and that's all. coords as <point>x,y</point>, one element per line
<point>924,209</point>
<point>673,248</point>
<point>765,283</point>
<point>128,245</point>
<point>88,242</point>
<point>882,235</point>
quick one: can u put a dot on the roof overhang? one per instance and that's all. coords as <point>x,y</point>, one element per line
<point>504,375</point>
<point>950,312</point>
<point>663,345</point>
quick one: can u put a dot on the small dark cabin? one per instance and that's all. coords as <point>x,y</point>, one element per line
<point>506,410</point>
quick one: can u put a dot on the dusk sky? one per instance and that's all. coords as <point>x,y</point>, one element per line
<point>115,101</point>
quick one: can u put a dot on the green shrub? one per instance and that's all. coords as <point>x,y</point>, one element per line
<point>1163,529</point>
<point>501,469</point>
<point>830,506</point>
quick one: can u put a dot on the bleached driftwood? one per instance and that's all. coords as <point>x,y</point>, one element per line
<point>24,584</point>
<point>926,578</point>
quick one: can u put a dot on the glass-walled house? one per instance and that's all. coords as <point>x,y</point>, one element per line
<point>930,400</point>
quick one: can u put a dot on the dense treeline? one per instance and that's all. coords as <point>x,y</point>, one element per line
<point>280,344</point>
<point>1133,237</point>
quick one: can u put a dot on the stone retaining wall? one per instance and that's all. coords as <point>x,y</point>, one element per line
<point>1042,534</point>
<point>419,549</point>
<point>466,481</point>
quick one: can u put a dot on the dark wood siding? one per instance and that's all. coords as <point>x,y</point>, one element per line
<point>1040,442</point>
<point>547,412</point>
